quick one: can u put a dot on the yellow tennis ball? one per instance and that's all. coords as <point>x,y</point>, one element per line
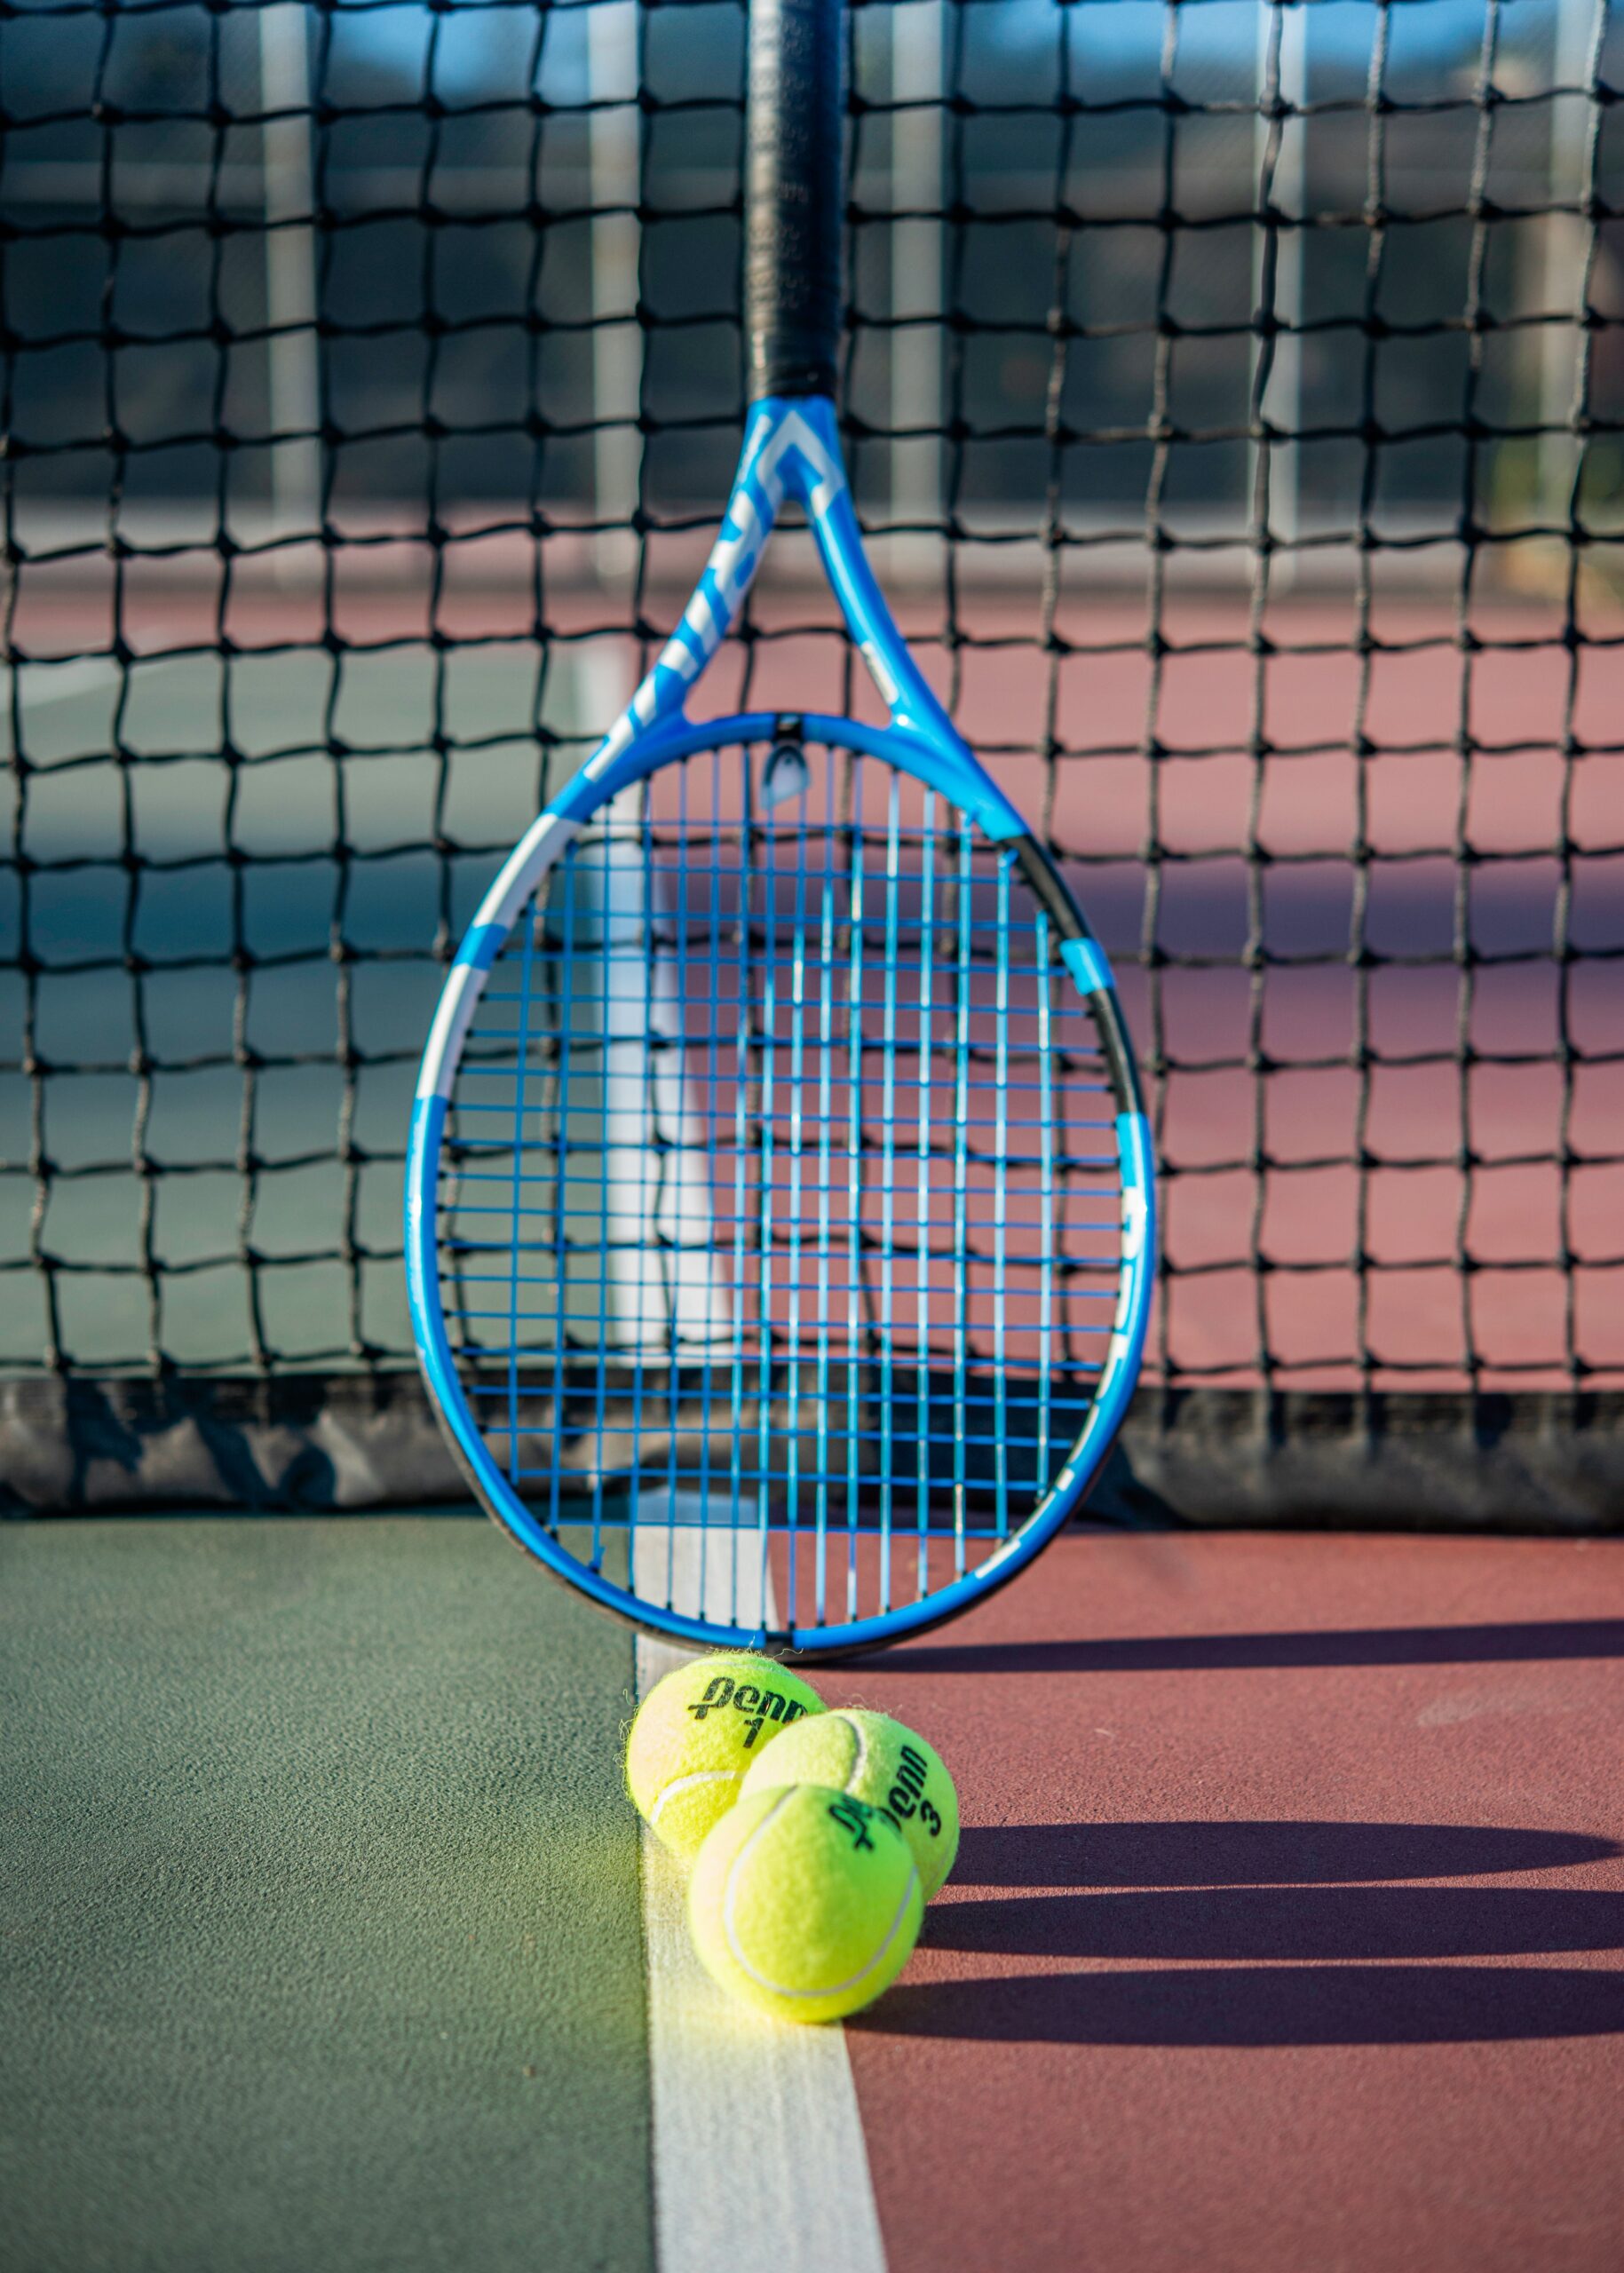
<point>875,1759</point>
<point>805,1902</point>
<point>695,1734</point>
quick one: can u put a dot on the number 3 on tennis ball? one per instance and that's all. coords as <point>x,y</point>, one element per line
<point>878,1761</point>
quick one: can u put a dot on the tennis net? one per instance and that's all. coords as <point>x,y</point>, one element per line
<point>1234,396</point>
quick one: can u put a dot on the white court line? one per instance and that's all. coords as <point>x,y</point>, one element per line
<point>41,683</point>
<point>759,2157</point>
<point>47,682</point>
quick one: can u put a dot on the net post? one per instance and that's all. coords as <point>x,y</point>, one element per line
<point>1561,260</point>
<point>293,347</point>
<point>918,52</point>
<point>1276,377</point>
<point>615,177</point>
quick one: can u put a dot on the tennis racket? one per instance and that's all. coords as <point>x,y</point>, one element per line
<point>779,1205</point>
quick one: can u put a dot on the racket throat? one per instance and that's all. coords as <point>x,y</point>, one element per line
<point>786,775</point>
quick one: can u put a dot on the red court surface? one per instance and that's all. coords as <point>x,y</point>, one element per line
<point>1288,1925</point>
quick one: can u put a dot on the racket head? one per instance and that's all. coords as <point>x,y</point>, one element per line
<point>780,1214</point>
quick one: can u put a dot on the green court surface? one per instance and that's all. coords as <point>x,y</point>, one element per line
<point>322,1940</point>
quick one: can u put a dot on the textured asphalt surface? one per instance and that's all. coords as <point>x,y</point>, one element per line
<point>320,1939</point>
<point>1288,1928</point>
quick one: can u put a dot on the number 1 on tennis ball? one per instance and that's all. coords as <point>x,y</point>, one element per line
<point>696,1734</point>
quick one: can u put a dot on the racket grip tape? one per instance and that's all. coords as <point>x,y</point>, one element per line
<point>793,197</point>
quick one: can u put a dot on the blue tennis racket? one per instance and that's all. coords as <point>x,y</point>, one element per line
<point>779,1205</point>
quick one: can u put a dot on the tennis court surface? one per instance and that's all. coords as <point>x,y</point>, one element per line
<point>1286,1931</point>
<point>1232,396</point>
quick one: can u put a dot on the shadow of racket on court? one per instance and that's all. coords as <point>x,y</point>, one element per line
<point>1261,1925</point>
<point>1277,1853</point>
<point>1509,1644</point>
<point>1257,2006</point>
<point>1251,1934</point>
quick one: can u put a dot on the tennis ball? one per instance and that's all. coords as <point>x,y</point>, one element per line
<point>695,1734</point>
<point>875,1759</point>
<point>805,1902</point>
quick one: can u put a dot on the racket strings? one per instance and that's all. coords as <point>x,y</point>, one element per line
<point>782,1158</point>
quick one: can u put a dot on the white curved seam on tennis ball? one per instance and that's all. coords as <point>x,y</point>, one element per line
<point>829,1989</point>
<point>856,1769</point>
<point>686,1783</point>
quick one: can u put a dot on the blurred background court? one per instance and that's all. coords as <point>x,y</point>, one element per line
<point>1233,395</point>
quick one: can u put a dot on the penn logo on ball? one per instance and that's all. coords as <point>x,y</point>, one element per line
<point>696,1734</point>
<point>877,1760</point>
<point>758,1705</point>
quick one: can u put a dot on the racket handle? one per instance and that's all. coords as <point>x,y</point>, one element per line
<point>792,197</point>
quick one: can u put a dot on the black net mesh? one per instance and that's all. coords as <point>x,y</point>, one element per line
<point>1234,396</point>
